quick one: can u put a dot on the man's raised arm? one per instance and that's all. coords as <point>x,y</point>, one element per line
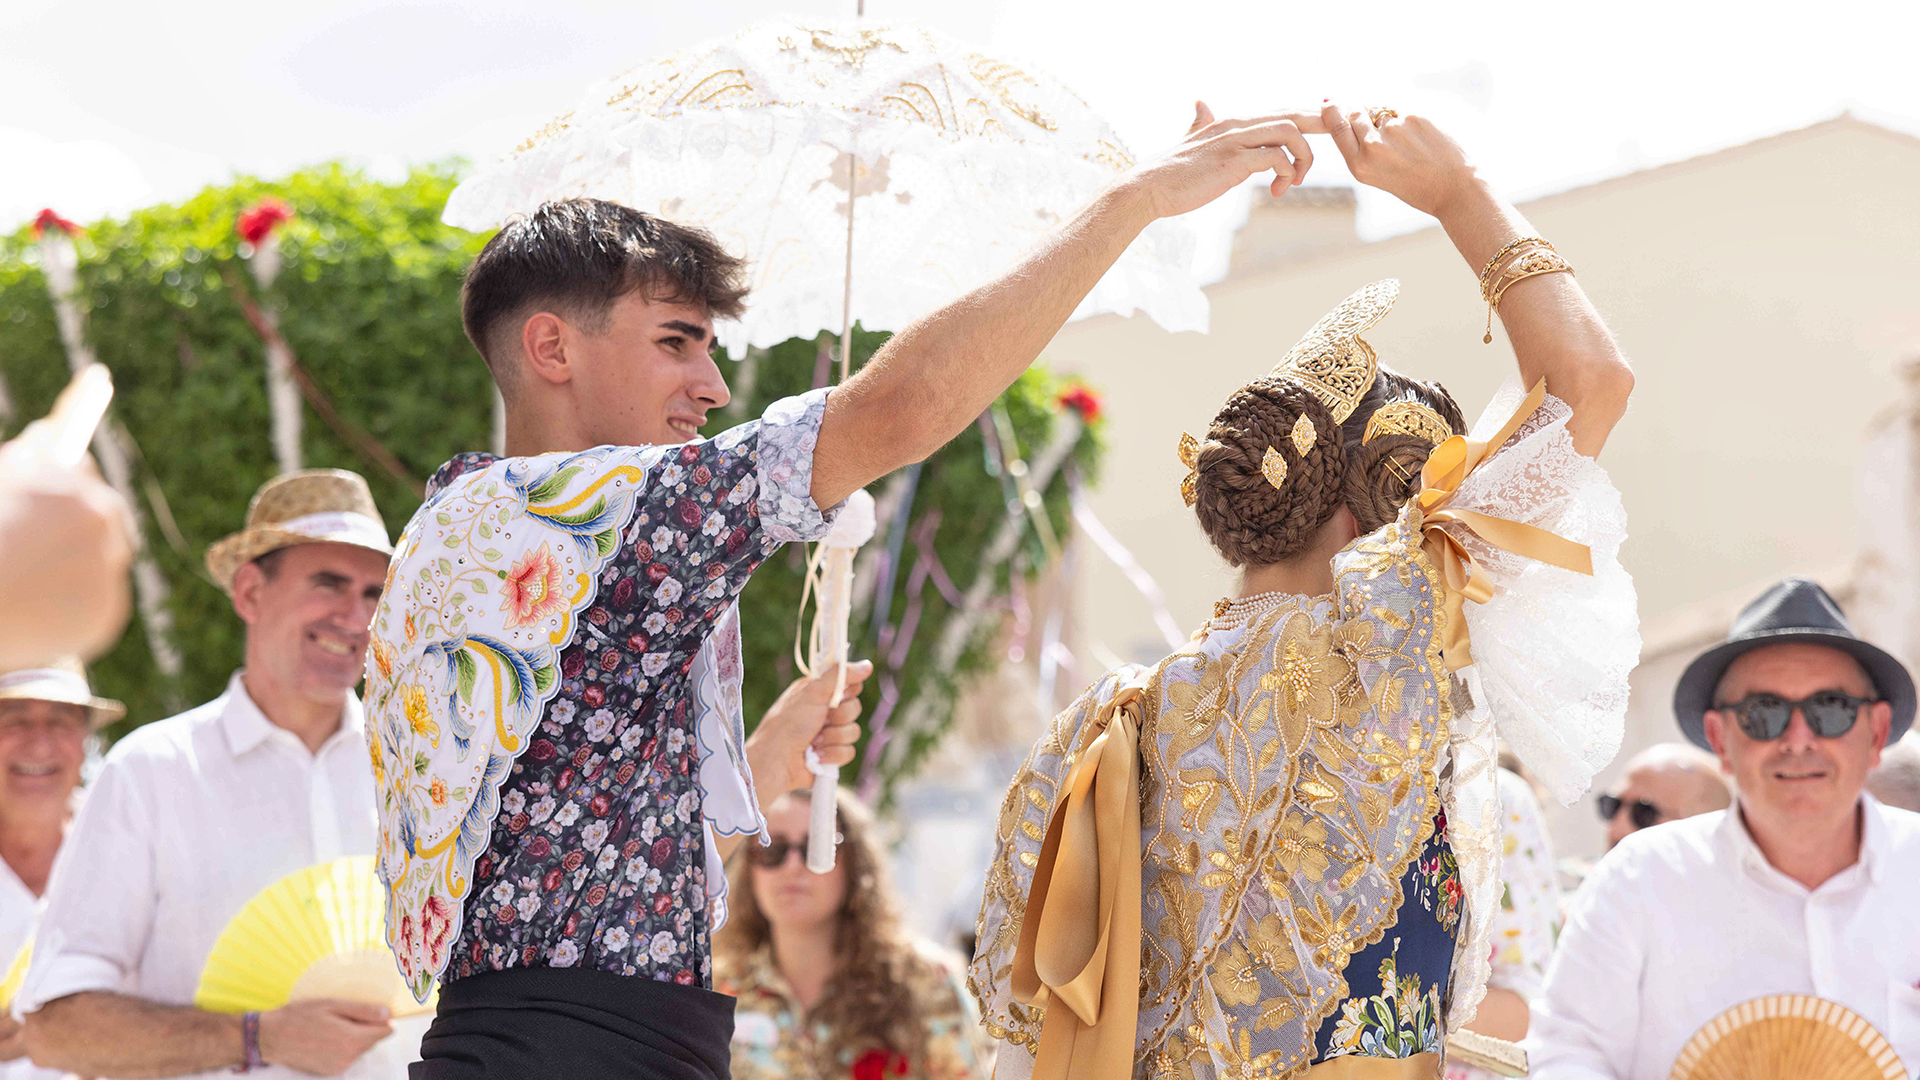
<point>936,376</point>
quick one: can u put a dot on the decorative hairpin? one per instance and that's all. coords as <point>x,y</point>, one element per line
<point>1189,451</point>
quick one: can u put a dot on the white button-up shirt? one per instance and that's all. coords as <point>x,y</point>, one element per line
<point>1685,920</point>
<point>19,908</point>
<point>189,818</point>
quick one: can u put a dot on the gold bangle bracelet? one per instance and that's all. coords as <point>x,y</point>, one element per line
<point>1486,272</point>
<point>1526,265</point>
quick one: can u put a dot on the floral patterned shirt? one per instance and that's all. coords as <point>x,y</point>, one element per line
<point>772,1041</point>
<point>597,857</point>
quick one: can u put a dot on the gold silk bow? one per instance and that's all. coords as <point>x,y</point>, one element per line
<point>1449,465</point>
<point>1079,950</point>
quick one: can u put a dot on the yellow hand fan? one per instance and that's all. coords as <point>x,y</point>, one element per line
<point>16,974</point>
<point>1788,1037</point>
<point>319,932</point>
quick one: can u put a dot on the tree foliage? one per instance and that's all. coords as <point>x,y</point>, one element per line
<point>368,300</point>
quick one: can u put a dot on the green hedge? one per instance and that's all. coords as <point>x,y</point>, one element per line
<point>368,299</point>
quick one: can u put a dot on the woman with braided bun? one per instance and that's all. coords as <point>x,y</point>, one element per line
<point>1276,852</point>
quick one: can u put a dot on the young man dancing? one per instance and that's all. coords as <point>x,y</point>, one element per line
<point>553,677</point>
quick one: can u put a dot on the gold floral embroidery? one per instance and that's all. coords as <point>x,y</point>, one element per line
<point>1288,778</point>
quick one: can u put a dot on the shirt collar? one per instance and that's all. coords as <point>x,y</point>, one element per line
<point>247,727</point>
<point>1873,842</point>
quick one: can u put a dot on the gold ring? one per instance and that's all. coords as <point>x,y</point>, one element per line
<point>1380,116</point>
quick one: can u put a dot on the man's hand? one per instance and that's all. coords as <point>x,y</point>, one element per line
<point>64,531</point>
<point>806,716</point>
<point>1407,157</point>
<point>321,1037</point>
<point>1218,154</point>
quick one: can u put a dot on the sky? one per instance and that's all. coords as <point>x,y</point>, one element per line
<point>105,107</point>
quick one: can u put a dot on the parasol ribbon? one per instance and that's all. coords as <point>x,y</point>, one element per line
<point>1447,467</point>
<point>832,568</point>
<point>1079,950</point>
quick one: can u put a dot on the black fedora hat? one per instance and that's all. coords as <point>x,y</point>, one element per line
<point>1795,610</point>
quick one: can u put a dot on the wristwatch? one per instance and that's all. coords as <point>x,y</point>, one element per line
<point>250,1044</point>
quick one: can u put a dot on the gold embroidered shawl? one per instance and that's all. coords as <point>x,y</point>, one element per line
<point>1287,779</point>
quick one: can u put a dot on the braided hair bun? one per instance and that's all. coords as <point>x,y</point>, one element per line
<point>1250,521</point>
<point>1383,474</point>
<point>1253,523</point>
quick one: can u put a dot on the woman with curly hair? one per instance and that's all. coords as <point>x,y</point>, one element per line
<point>1276,852</point>
<point>830,985</point>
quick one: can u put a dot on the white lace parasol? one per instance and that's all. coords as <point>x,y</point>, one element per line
<point>961,162</point>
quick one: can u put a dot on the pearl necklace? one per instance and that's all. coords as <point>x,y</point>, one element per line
<point>1229,614</point>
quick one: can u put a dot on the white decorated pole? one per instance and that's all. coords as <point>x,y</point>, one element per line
<point>833,568</point>
<point>259,227</point>
<point>59,262</point>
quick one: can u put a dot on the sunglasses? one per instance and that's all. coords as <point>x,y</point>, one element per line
<point>1643,813</point>
<point>772,856</point>
<point>1830,713</point>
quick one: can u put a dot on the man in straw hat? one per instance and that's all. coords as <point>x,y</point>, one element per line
<point>46,716</point>
<point>1804,886</point>
<point>553,614</point>
<point>191,816</point>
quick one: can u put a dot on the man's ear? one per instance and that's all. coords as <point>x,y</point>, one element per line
<point>1716,725</point>
<point>544,338</point>
<point>1880,722</point>
<point>247,586</point>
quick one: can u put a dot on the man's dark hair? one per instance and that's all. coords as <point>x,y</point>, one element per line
<point>577,256</point>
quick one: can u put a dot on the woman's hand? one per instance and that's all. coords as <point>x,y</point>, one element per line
<point>1407,157</point>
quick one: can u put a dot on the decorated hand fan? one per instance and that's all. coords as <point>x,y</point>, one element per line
<point>317,933</point>
<point>16,974</point>
<point>1788,1037</point>
<point>1497,1056</point>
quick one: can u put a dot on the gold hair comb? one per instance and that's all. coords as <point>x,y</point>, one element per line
<point>1408,418</point>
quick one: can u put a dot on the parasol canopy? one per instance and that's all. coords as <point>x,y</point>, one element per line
<point>960,163</point>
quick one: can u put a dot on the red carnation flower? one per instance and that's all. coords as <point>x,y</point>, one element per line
<point>1082,399</point>
<point>47,219</point>
<point>258,221</point>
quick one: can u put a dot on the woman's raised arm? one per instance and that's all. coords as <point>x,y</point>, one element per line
<point>1556,333</point>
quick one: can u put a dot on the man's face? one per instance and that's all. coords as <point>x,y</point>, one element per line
<point>649,377</point>
<point>42,744</point>
<point>307,621</point>
<point>1798,776</point>
<point>1667,787</point>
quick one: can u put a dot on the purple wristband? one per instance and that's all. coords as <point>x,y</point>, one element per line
<point>250,1044</point>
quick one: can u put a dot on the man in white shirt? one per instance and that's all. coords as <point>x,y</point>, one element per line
<point>1804,886</point>
<point>191,816</point>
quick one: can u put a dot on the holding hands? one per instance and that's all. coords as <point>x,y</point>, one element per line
<point>1405,156</point>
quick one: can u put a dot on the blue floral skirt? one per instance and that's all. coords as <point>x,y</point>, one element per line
<point>1398,985</point>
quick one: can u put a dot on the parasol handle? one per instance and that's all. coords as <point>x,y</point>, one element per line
<point>853,527</point>
<point>835,611</point>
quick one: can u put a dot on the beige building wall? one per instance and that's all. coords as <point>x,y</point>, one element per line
<point>1767,295</point>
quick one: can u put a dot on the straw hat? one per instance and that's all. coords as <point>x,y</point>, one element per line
<point>63,681</point>
<point>313,506</point>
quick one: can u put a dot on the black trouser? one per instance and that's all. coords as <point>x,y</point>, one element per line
<point>570,1024</point>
